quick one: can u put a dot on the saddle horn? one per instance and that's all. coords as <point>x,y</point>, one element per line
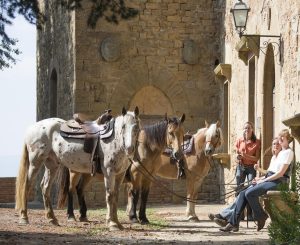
<point>124,112</point>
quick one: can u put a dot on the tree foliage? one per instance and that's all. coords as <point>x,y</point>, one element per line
<point>285,226</point>
<point>111,10</point>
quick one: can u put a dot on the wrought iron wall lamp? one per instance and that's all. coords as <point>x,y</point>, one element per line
<point>240,13</point>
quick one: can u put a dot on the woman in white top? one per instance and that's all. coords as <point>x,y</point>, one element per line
<point>277,173</point>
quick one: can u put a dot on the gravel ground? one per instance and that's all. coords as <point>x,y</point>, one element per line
<point>169,226</point>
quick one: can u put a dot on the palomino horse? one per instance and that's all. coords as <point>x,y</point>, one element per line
<point>152,141</point>
<point>197,166</point>
<point>45,145</point>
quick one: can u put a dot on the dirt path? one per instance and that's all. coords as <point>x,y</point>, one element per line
<point>168,227</point>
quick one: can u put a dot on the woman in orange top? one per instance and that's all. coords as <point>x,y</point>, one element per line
<point>248,150</point>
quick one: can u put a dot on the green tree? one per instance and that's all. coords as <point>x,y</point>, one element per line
<point>111,10</point>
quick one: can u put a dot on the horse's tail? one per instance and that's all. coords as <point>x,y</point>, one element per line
<point>63,182</point>
<point>22,180</point>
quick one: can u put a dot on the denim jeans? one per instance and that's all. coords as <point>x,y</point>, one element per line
<point>227,212</point>
<point>243,171</point>
<point>251,196</point>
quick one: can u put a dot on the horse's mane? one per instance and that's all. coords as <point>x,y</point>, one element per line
<point>212,130</point>
<point>156,134</point>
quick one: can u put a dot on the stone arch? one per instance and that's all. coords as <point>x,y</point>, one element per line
<point>158,80</point>
<point>151,101</point>
<point>268,106</point>
<point>53,94</point>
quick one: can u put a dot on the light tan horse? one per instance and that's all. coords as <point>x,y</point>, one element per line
<point>197,165</point>
<point>152,141</point>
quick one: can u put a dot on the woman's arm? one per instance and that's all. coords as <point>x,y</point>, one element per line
<point>277,175</point>
<point>255,158</point>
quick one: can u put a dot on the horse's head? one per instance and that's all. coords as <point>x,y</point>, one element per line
<point>130,130</point>
<point>213,138</point>
<point>175,135</point>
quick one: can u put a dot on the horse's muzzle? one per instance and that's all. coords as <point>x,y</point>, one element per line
<point>209,151</point>
<point>130,150</point>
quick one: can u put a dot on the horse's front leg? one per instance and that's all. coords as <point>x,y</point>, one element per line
<point>119,180</point>
<point>145,188</point>
<point>110,181</point>
<point>46,184</point>
<point>192,194</point>
<point>133,198</point>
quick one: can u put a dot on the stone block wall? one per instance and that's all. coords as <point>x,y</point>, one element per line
<point>8,187</point>
<point>162,61</point>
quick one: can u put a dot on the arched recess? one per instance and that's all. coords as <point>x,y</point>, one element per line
<point>160,79</point>
<point>268,106</point>
<point>53,94</point>
<point>152,103</point>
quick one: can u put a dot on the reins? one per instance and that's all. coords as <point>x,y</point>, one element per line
<point>155,180</point>
<point>148,175</point>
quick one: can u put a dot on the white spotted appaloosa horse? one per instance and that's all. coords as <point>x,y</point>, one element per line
<point>45,145</point>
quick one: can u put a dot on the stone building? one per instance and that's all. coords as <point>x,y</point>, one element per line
<point>176,56</point>
<point>162,61</point>
<point>261,75</point>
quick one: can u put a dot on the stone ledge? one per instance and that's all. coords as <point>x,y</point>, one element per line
<point>223,70</point>
<point>246,46</point>
<point>294,124</point>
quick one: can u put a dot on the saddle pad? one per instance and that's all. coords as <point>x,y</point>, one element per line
<point>187,146</point>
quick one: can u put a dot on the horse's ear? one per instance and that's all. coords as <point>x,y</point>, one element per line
<point>206,124</point>
<point>182,118</point>
<point>166,117</point>
<point>124,112</point>
<point>136,111</point>
<point>218,124</point>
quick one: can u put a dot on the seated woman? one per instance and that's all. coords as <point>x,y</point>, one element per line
<point>222,218</point>
<point>276,175</point>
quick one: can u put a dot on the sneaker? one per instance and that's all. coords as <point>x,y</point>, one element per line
<point>220,222</point>
<point>229,227</point>
<point>212,216</point>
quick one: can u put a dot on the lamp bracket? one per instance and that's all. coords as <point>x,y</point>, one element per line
<point>276,44</point>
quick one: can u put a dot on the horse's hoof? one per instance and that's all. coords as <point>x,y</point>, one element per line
<point>114,228</point>
<point>53,222</point>
<point>83,219</point>
<point>134,221</point>
<point>23,221</point>
<point>144,222</point>
<point>193,219</point>
<point>71,219</point>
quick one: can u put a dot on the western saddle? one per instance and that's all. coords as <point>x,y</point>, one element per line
<point>90,132</point>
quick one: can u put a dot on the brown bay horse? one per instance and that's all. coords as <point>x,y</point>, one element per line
<point>152,141</point>
<point>197,166</point>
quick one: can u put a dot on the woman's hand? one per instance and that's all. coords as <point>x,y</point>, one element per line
<point>256,166</point>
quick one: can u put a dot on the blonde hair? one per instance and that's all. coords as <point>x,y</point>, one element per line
<point>286,133</point>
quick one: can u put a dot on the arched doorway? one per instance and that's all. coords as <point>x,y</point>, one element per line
<point>153,104</point>
<point>53,94</point>
<point>268,106</point>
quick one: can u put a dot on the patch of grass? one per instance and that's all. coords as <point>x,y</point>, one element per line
<point>156,221</point>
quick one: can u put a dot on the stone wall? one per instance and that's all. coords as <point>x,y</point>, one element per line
<point>162,61</point>
<point>55,62</point>
<point>8,187</point>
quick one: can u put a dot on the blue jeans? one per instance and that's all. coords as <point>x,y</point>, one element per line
<point>227,212</point>
<point>251,196</point>
<point>243,171</point>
